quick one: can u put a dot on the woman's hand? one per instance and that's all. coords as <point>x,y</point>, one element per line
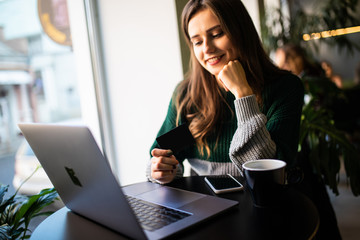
<point>233,78</point>
<point>163,165</point>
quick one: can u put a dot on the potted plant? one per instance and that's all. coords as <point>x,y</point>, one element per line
<point>328,144</point>
<point>16,212</point>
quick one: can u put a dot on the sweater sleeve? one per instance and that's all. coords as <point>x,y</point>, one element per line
<point>251,139</point>
<point>274,131</point>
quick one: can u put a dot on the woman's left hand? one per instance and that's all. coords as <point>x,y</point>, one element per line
<point>233,78</point>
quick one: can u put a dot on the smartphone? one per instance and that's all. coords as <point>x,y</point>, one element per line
<point>176,139</point>
<point>223,184</point>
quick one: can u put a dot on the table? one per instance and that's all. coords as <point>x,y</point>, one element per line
<point>296,217</point>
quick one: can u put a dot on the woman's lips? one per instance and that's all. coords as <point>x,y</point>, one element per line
<point>214,60</point>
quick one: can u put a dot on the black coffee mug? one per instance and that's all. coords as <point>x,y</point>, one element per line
<point>265,180</point>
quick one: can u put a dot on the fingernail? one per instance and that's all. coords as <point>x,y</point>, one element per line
<point>169,153</point>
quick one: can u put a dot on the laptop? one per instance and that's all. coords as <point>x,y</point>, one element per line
<point>84,180</point>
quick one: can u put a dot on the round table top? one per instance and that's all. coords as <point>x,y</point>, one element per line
<point>295,217</point>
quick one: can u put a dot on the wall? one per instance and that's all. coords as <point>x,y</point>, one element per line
<point>143,66</point>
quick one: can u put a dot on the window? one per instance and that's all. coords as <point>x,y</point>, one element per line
<point>38,72</point>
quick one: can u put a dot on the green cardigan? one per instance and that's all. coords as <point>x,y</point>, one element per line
<point>249,132</point>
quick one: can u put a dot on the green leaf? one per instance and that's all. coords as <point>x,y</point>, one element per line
<point>8,215</point>
<point>4,204</point>
<point>5,231</point>
<point>36,203</point>
<point>17,212</point>
<point>327,143</point>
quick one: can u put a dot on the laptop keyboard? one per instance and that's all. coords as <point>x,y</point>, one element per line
<point>152,216</point>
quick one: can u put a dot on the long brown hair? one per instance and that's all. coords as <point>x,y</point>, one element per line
<point>201,100</point>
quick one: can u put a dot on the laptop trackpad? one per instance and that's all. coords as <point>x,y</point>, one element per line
<point>170,197</point>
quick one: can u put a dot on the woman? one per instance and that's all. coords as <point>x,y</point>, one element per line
<point>238,105</point>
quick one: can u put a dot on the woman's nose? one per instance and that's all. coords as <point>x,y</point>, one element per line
<point>208,46</point>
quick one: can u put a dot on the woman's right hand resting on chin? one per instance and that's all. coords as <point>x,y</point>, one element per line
<point>163,165</point>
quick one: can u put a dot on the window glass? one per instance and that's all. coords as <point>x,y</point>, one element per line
<point>38,80</point>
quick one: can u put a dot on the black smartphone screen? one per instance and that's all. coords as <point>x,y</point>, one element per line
<point>176,139</point>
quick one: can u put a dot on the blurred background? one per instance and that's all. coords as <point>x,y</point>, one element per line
<point>114,64</point>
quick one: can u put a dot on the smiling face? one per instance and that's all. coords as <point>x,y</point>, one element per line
<point>212,48</point>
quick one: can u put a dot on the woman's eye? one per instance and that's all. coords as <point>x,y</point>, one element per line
<point>197,43</point>
<point>218,35</point>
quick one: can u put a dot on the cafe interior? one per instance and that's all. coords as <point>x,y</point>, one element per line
<point>107,64</point>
